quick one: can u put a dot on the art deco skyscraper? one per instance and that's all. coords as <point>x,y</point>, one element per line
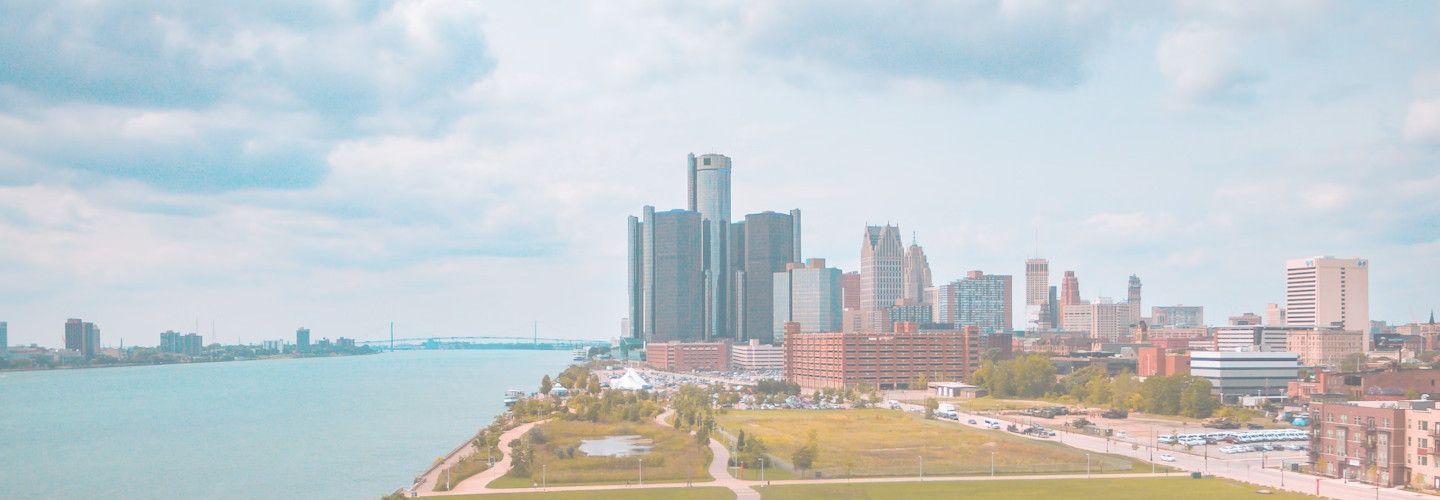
<point>916,275</point>
<point>882,258</point>
<point>709,196</point>
<point>1322,291</point>
<point>1070,289</point>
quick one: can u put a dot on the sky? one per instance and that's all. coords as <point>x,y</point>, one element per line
<point>465,168</point>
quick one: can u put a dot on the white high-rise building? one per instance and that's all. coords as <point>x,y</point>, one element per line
<point>1327,291</point>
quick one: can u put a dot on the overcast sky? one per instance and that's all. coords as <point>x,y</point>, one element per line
<point>465,168</point>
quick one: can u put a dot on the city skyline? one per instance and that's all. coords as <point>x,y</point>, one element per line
<point>455,187</point>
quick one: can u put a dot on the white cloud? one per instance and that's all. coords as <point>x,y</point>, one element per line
<point>1422,121</point>
<point>1203,63</point>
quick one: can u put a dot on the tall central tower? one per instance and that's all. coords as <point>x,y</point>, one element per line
<point>709,194</point>
<point>882,258</point>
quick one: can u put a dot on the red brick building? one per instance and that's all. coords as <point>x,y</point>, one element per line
<point>881,360</point>
<point>688,356</point>
<point>1391,385</point>
<point>1150,361</point>
<point>1360,440</point>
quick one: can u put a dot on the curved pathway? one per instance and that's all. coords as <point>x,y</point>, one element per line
<point>477,482</point>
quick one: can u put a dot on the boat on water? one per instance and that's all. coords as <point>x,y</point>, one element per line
<point>580,354</point>
<point>512,396</point>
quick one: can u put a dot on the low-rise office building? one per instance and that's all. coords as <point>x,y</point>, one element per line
<point>753,355</point>
<point>1235,374</point>
<point>679,356</point>
<point>1422,438</point>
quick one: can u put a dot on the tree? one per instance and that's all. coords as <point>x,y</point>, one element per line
<point>1195,398</point>
<point>546,384</point>
<point>804,457</point>
<point>930,405</point>
<point>702,436</point>
<point>740,441</point>
<point>921,382</point>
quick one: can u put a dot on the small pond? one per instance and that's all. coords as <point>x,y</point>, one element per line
<point>616,446</point>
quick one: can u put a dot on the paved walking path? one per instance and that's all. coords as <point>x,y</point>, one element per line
<point>477,483</point>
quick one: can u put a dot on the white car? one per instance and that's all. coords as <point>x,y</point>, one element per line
<point>1167,458</point>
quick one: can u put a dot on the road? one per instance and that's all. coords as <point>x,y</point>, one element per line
<point>1262,470</point>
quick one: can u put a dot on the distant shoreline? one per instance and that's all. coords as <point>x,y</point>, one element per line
<point>133,365</point>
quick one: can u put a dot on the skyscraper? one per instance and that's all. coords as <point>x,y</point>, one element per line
<point>709,196</point>
<point>916,274</point>
<point>1069,290</point>
<point>808,295</point>
<point>1133,300</point>
<point>769,245</point>
<point>1325,291</point>
<point>83,337</point>
<point>984,301</point>
<point>850,282</point>
<point>945,308</point>
<point>1037,295</point>
<point>881,265</point>
<point>302,339</point>
<point>667,281</point>
<point>4,339</point>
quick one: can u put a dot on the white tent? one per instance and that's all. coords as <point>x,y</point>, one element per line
<point>630,381</point>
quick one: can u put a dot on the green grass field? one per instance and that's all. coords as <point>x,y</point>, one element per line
<point>1136,488</point>
<point>707,493</point>
<point>878,442</point>
<point>675,458</point>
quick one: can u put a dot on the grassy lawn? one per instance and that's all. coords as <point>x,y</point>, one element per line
<point>1139,488</point>
<point>675,457</point>
<point>878,442</point>
<point>709,493</point>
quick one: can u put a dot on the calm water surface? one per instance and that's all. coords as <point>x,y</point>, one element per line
<point>351,427</point>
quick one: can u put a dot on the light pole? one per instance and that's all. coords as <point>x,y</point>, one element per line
<point>1282,473</point>
<point>1087,465</point>
<point>544,469</point>
<point>762,469</point>
<point>922,466</point>
<point>641,463</point>
<point>992,464</point>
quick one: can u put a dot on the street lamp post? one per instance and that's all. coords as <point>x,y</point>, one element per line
<point>641,463</point>
<point>1282,473</point>
<point>762,469</point>
<point>544,469</point>
<point>992,464</point>
<point>1087,465</point>
<point>922,466</point>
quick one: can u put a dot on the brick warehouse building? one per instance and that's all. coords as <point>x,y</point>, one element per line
<point>882,360</point>
<point>687,356</point>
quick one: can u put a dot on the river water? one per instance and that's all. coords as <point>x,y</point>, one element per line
<point>346,427</point>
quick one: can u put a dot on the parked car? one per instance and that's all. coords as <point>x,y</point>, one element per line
<point>971,421</point>
<point>1167,458</point>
